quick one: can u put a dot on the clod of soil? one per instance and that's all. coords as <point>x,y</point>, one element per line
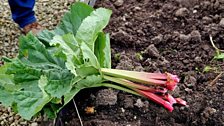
<point>106,97</point>
<point>221,23</point>
<point>152,51</point>
<point>182,12</point>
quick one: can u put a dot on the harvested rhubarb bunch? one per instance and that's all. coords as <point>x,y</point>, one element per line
<point>52,67</point>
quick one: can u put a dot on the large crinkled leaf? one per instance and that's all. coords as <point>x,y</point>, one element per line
<point>34,53</point>
<point>59,83</point>
<point>28,94</point>
<point>84,71</point>
<point>51,110</point>
<point>89,56</point>
<point>30,102</point>
<point>88,82</point>
<point>6,96</point>
<point>73,19</point>
<point>69,96</point>
<point>4,68</point>
<point>92,25</point>
<point>102,50</point>
<point>77,54</point>
<point>46,36</point>
<point>70,22</point>
<point>70,48</point>
<point>22,72</point>
<point>7,80</point>
<point>7,87</point>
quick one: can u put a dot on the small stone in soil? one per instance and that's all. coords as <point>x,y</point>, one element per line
<point>137,8</point>
<point>184,38</point>
<point>207,20</point>
<point>34,124</point>
<point>122,110</point>
<point>221,23</point>
<point>197,59</point>
<point>208,111</point>
<point>195,36</point>
<point>206,47</point>
<point>139,103</point>
<point>188,90</point>
<point>182,12</point>
<point>157,39</point>
<point>152,51</point>
<point>190,81</point>
<point>119,3</point>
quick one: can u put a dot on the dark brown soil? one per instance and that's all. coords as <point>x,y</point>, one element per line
<point>166,36</point>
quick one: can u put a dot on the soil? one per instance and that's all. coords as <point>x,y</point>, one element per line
<point>157,36</point>
<point>160,36</point>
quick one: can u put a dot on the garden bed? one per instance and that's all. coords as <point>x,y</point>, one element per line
<point>162,36</point>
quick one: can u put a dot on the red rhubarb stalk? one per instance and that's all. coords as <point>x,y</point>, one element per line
<point>130,84</point>
<point>156,99</point>
<point>166,80</point>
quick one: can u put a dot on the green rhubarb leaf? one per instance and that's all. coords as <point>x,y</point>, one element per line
<point>73,19</point>
<point>50,113</point>
<point>4,68</point>
<point>46,36</point>
<point>70,22</point>
<point>6,80</point>
<point>7,87</point>
<point>89,57</point>
<point>6,96</point>
<point>59,83</point>
<point>85,71</point>
<point>51,110</point>
<point>29,102</point>
<point>92,26</point>
<point>70,48</point>
<point>69,96</point>
<point>31,83</point>
<point>89,81</point>
<point>102,50</point>
<point>22,72</point>
<point>34,53</point>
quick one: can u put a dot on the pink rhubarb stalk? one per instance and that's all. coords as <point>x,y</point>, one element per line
<point>156,99</point>
<point>165,80</point>
<point>136,83</point>
<point>169,98</point>
<point>131,85</point>
<point>181,101</point>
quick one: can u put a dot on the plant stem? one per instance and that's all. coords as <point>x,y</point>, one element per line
<point>130,84</point>
<point>213,45</point>
<point>77,112</point>
<point>120,88</point>
<point>141,77</point>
